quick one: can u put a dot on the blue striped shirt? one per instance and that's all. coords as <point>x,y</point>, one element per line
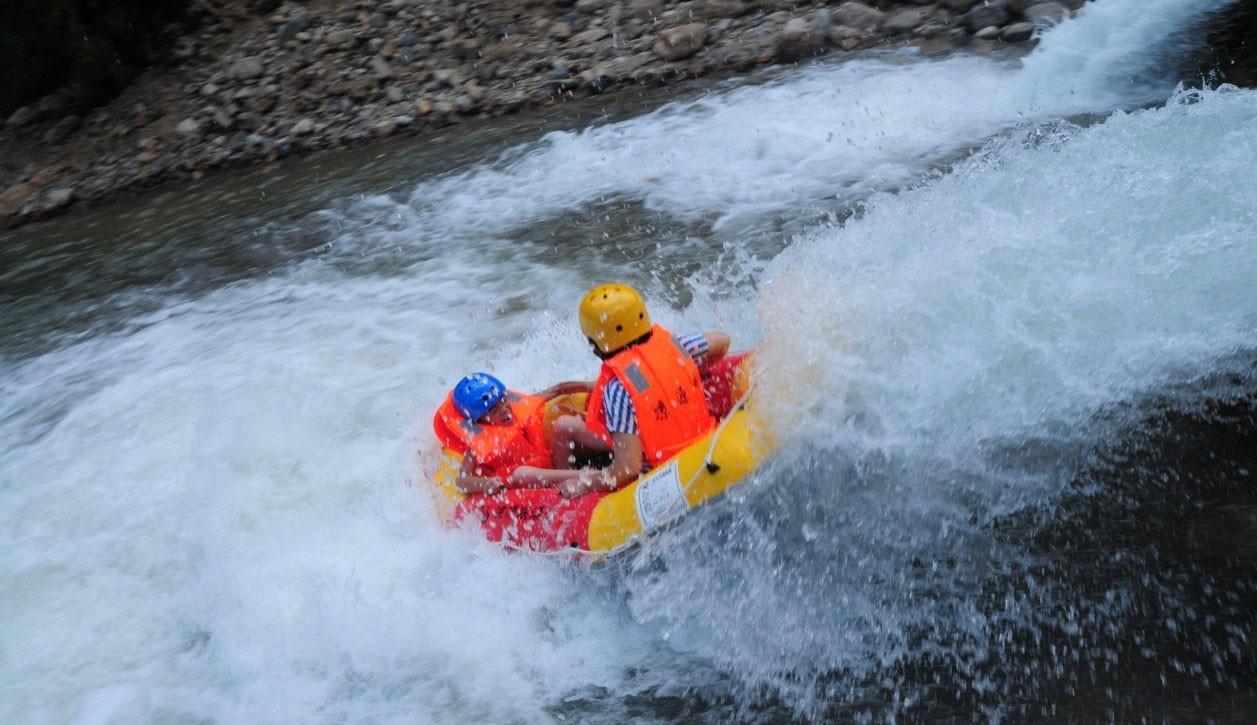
<point>618,406</point>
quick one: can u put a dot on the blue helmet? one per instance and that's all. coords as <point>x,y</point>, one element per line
<point>476,394</point>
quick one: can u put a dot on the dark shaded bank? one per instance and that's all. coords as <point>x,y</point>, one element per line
<point>89,50</point>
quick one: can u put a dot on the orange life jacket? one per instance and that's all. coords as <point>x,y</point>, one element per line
<point>666,388</point>
<point>498,449</point>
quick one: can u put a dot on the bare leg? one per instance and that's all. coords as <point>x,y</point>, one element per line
<point>570,437</point>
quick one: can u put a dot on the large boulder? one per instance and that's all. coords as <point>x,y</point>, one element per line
<point>904,21</point>
<point>797,41</point>
<point>1017,32</point>
<point>859,15</point>
<point>681,42</point>
<point>988,13</point>
<point>1045,14</point>
<point>823,25</point>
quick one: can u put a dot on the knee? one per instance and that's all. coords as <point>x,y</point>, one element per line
<point>568,425</point>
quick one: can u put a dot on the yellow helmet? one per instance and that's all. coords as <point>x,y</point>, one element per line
<point>612,316</point>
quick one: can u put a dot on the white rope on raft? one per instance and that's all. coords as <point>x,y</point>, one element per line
<point>633,541</point>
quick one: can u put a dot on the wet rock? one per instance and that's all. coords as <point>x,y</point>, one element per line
<point>904,21</point>
<point>859,15</point>
<point>990,32</point>
<point>990,12</point>
<point>1045,14</point>
<point>21,116</point>
<point>377,20</point>
<point>1017,32</point>
<point>621,68</point>
<point>937,44</point>
<point>302,127</point>
<point>681,42</point>
<point>929,30</point>
<point>408,40</point>
<point>959,6</point>
<point>796,41</point>
<point>248,68</point>
<point>590,6</point>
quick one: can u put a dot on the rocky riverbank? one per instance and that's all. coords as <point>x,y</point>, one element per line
<point>257,81</point>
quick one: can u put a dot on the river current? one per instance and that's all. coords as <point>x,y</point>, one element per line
<point>1006,313</point>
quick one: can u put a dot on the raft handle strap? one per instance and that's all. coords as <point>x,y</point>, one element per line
<point>712,467</point>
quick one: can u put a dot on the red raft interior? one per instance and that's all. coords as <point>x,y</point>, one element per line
<point>541,520</point>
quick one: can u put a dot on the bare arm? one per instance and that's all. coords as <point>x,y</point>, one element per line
<point>565,388</point>
<point>626,466</point>
<point>717,345</point>
<point>470,481</point>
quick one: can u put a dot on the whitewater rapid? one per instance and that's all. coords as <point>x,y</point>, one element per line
<point>213,504</point>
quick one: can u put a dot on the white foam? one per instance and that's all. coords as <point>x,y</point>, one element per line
<point>996,310</point>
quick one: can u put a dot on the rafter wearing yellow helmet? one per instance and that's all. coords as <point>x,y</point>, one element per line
<point>648,402</point>
<point>612,316</point>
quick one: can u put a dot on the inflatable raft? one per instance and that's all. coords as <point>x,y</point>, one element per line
<point>540,520</point>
